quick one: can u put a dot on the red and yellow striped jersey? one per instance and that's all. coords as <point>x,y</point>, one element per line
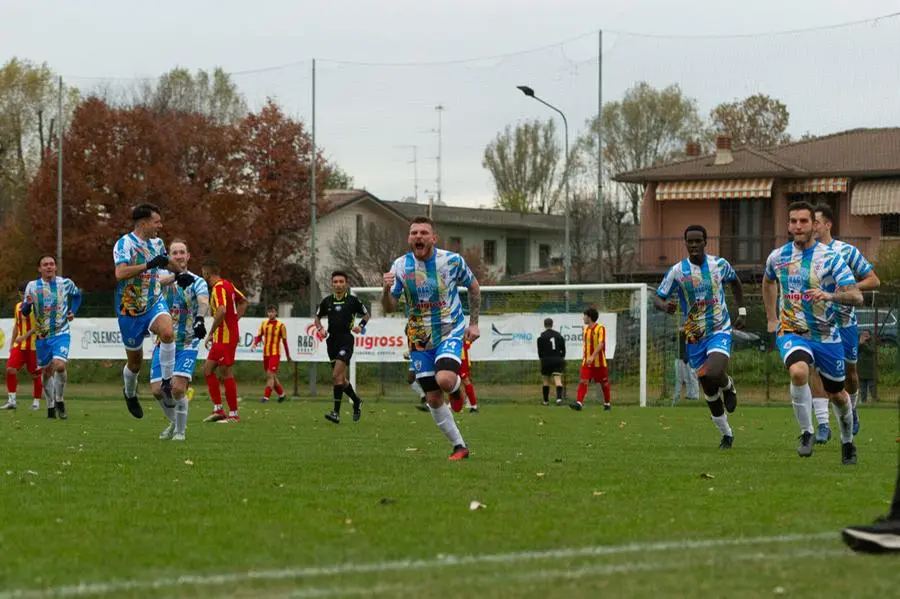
<point>271,334</point>
<point>24,324</point>
<point>223,294</point>
<point>594,337</point>
<point>464,356</point>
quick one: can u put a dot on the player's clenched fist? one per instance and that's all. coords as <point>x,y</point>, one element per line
<point>389,279</point>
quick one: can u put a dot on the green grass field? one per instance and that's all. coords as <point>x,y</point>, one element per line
<point>632,503</point>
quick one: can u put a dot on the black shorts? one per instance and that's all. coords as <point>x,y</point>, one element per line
<point>552,366</point>
<point>340,347</point>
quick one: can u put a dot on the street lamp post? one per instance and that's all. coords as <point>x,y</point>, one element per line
<point>567,255</point>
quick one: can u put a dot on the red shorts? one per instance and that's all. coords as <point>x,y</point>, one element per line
<point>270,363</point>
<point>464,370</point>
<point>22,357</point>
<point>222,353</point>
<point>598,374</point>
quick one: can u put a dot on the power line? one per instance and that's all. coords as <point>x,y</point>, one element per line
<point>560,43</point>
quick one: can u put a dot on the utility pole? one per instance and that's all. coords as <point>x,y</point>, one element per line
<point>415,163</point>
<point>440,110</point>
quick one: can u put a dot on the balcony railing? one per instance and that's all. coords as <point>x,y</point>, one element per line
<point>657,253</point>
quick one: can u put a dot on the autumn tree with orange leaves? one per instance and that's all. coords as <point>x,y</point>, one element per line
<point>237,193</point>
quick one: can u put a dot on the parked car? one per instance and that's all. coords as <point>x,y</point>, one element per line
<point>887,324</point>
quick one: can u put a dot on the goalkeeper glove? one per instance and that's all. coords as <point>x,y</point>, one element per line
<point>160,261</point>
<point>184,279</point>
<point>199,329</point>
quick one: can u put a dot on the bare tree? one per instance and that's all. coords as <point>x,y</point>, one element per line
<point>523,164</point>
<point>366,259</point>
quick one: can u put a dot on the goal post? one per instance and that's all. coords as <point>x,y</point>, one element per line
<point>505,363</point>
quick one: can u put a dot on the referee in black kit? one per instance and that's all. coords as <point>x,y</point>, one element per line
<point>341,309</point>
<point>551,347</point>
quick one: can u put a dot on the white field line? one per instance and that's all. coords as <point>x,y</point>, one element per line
<point>207,580</point>
<point>558,574</point>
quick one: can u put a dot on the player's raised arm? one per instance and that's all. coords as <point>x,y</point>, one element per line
<point>390,287</point>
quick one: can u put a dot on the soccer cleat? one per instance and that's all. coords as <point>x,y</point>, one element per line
<point>576,405</point>
<point>230,420</point>
<point>607,407</point>
<point>264,400</point>
<point>178,437</point>
<point>823,434</point>
<point>61,410</point>
<point>726,442</point>
<point>10,405</point>
<point>167,434</point>
<point>216,416</point>
<point>460,452</point>
<point>855,421</point>
<point>848,454</point>
<point>35,407</point>
<point>134,406</point>
<point>545,402</point>
<point>423,407</point>
<point>333,417</point>
<point>559,402</point>
<point>473,410</point>
<point>729,397</point>
<point>357,411</point>
<point>281,398</point>
<point>805,449</point>
<point>882,536</point>
<point>51,412</point>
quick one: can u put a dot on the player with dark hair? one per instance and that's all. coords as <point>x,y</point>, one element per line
<point>593,364</point>
<point>341,309</point>
<point>803,280</point>
<point>227,305</point>
<point>55,301</point>
<point>22,354</point>
<point>699,283</point>
<point>272,334</point>
<point>138,257</point>
<point>551,349</point>
<point>866,280</point>
<point>429,278</point>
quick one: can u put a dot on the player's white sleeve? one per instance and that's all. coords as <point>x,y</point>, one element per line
<point>727,271</point>
<point>200,287</point>
<point>122,251</point>
<point>664,291</point>
<point>464,275</point>
<point>770,265</point>
<point>840,272</point>
<point>398,269</point>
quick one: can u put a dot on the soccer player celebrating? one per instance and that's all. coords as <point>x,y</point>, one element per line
<point>341,309</point>
<point>141,309</point>
<point>429,279</point>
<point>802,280</point>
<point>228,306</point>
<point>272,334</point>
<point>551,348</point>
<point>699,282</point>
<point>187,306</point>
<point>866,280</point>
<point>22,354</point>
<point>593,365</point>
<point>55,301</point>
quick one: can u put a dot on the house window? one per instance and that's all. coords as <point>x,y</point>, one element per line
<point>543,256</point>
<point>359,235</point>
<point>490,251</point>
<point>745,230</point>
<point>454,244</point>
<point>890,225</point>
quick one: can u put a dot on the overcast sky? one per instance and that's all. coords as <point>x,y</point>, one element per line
<point>366,114</point>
